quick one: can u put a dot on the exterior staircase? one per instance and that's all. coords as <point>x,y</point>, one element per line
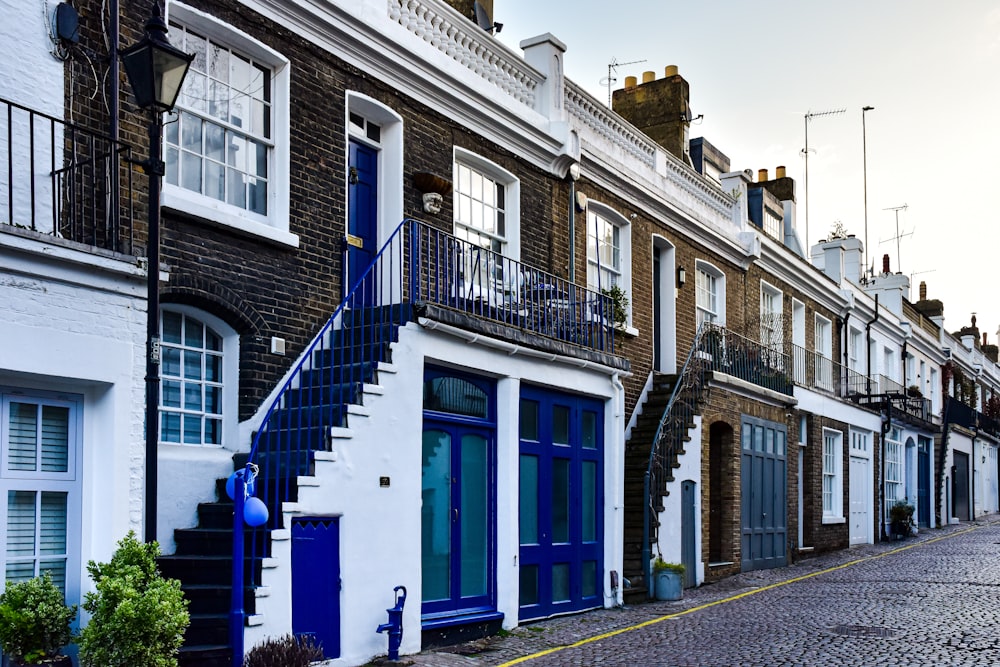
<point>637,455</point>
<point>325,392</point>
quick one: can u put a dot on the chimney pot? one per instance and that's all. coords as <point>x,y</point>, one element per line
<point>779,172</point>
<point>761,175</point>
<point>670,70</point>
<point>648,76</point>
<point>631,82</point>
<point>885,263</point>
<point>923,290</point>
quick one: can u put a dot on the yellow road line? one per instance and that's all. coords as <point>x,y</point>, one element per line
<point>732,598</point>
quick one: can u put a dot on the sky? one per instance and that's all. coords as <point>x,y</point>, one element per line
<point>931,70</point>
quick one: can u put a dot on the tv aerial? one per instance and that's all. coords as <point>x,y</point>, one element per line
<point>612,70</point>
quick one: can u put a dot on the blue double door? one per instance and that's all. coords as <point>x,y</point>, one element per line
<point>561,500</point>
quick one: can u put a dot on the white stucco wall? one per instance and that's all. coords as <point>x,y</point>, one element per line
<point>669,537</point>
<point>74,322</point>
<point>37,78</point>
<point>380,527</point>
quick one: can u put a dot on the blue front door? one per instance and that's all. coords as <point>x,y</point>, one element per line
<point>362,216</point>
<point>561,503</point>
<point>316,581</point>
<point>458,509</point>
<point>924,482</point>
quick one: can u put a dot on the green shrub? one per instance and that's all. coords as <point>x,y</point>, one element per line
<point>138,617</point>
<point>659,565</point>
<point>34,620</point>
<point>286,651</point>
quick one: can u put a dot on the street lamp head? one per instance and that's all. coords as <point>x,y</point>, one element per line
<point>867,108</point>
<point>155,68</point>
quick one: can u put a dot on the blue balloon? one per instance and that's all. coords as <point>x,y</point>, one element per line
<point>255,512</point>
<point>231,485</point>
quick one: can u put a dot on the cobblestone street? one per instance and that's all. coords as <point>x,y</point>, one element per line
<point>931,600</point>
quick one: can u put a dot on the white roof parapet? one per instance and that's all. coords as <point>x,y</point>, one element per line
<point>593,117</point>
<point>466,43</point>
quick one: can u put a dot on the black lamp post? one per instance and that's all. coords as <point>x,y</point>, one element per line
<point>156,71</point>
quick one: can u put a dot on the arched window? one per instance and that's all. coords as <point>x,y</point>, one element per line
<point>198,377</point>
<point>609,251</point>
<point>710,294</point>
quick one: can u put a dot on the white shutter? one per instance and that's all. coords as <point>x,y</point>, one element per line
<point>23,436</point>
<point>20,535</point>
<point>55,438</point>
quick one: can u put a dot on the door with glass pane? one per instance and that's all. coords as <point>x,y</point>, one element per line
<point>456,518</point>
<point>561,501</point>
<point>39,490</point>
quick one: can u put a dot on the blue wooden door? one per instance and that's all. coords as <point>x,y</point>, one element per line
<point>362,216</point>
<point>561,503</point>
<point>688,518</point>
<point>923,483</point>
<point>763,489</point>
<point>316,581</point>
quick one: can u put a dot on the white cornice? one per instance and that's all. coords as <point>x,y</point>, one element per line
<point>364,35</point>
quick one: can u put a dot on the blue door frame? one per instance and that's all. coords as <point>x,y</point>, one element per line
<point>923,482</point>
<point>458,513</point>
<point>561,503</point>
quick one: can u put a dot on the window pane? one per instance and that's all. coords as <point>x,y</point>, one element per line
<point>53,524</point>
<point>455,395</point>
<point>55,438</point>
<point>192,430</point>
<point>529,420</point>
<point>213,432</point>
<point>560,582</point>
<point>170,427</point>
<point>528,490</point>
<point>560,424</point>
<point>588,436</point>
<point>192,363</point>
<point>589,578</point>
<point>589,501</point>
<point>21,523</point>
<point>171,394</point>
<point>22,437</point>
<point>474,513</point>
<point>436,515</point>
<point>560,501</point>
<point>529,585</point>
<point>192,396</point>
<point>171,327</point>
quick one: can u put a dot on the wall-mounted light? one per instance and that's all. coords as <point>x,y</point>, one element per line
<point>682,276</point>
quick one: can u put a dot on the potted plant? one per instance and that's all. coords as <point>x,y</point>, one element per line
<point>35,622</point>
<point>913,391</point>
<point>137,616</point>
<point>619,305</point>
<point>668,579</point>
<point>901,519</point>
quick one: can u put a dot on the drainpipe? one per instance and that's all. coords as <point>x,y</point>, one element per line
<point>113,77</point>
<point>868,353</point>
<point>572,174</point>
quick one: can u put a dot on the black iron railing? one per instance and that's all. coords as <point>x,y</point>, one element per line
<point>59,179</point>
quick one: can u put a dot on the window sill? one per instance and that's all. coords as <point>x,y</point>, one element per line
<point>221,215</point>
<point>627,330</point>
<point>434,621</point>
<point>832,520</point>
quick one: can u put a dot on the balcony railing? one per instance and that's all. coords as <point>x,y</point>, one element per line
<point>746,359</point>
<point>817,371</point>
<point>59,179</point>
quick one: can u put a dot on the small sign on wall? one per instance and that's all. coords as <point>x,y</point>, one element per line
<point>383,482</point>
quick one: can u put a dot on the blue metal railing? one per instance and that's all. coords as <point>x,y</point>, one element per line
<point>418,265</point>
<point>714,349</point>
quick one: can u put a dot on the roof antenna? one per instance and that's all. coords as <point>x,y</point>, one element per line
<point>612,70</point>
<point>486,21</point>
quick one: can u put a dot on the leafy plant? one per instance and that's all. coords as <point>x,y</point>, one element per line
<point>287,651</point>
<point>34,620</point>
<point>619,304</point>
<point>901,518</point>
<point>138,617</point>
<point>660,565</point>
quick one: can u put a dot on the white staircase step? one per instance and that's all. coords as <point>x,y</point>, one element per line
<point>340,433</point>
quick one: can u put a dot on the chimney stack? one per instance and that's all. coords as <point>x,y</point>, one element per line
<point>658,107</point>
<point>885,263</point>
<point>779,172</point>
<point>923,290</point>
<point>761,175</point>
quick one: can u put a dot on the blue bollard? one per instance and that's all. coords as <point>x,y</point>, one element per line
<point>395,625</point>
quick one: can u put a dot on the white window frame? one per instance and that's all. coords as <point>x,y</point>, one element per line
<point>623,272</point>
<point>855,343</point>
<point>771,322</point>
<point>833,476</point>
<point>273,226</point>
<point>709,280</point>
<point>895,478</point>
<point>510,240</point>
<point>69,482</point>
<point>230,377</point>
<point>823,346</point>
